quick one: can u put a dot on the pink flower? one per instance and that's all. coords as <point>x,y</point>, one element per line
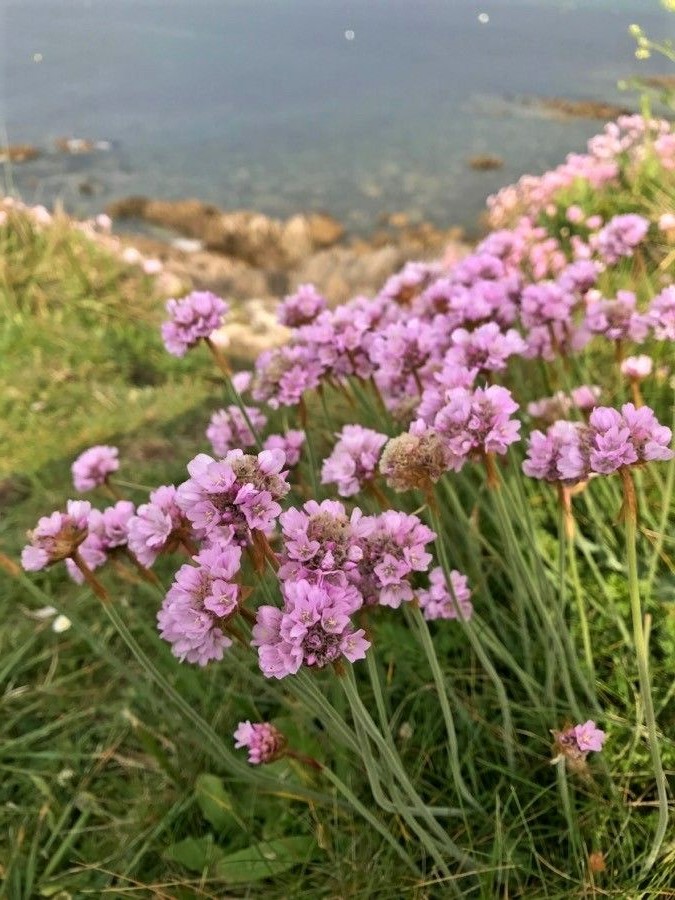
<point>439,603</point>
<point>290,443</point>
<point>637,367</point>
<point>589,737</point>
<point>617,320</point>
<point>107,531</point>
<point>56,537</point>
<point>472,423</point>
<point>92,468</point>
<point>557,455</point>
<point>228,429</point>
<point>662,315</point>
<point>393,546</point>
<point>621,235</point>
<point>156,526</point>
<point>199,603</point>
<point>353,460</point>
<point>264,742</point>
<point>191,319</point>
<point>302,307</point>
<point>321,542</point>
<point>313,629</point>
<point>237,493</point>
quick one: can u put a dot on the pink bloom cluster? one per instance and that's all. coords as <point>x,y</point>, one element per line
<point>321,542</point>
<point>264,741</point>
<point>473,423</point>
<point>56,537</point>
<point>312,629</point>
<point>620,236</point>
<point>232,496</point>
<point>228,429</point>
<point>575,743</point>
<point>354,459</point>
<point>194,317</point>
<point>92,468</point>
<point>107,531</point>
<point>438,602</point>
<point>157,525</point>
<point>290,443</point>
<point>198,605</point>
<point>393,548</point>
<point>662,315</point>
<point>571,451</point>
<point>302,307</point>
<point>618,319</point>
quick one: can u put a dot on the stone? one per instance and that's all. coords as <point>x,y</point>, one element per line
<point>485,162</point>
<point>18,153</point>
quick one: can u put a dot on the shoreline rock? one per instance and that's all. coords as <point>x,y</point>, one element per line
<point>565,108</point>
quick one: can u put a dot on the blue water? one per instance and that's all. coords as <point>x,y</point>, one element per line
<point>357,107</point>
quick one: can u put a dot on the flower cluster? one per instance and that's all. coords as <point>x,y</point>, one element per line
<point>92,468</point>
<point>264,741</point>
<point>312,629</point>
<point>393,548</point>
<point>228,428</point>
<point>321,543</point>
<point>56,537</point>
<point>353,461</point>
<point>290,443</point>
<point>234,495</point>
<point>302,307</point>
<point>571,452</point>
<point>438,602</point>
<point>158,526</point>
<point>573,744</point>
<point>198,605</point>
<point>194,317</point>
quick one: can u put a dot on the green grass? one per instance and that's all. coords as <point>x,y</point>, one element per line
<point>100,771</point>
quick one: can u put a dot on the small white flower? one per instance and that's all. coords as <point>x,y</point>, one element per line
<point>60,624</point>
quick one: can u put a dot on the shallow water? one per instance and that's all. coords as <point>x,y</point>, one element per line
<point>353,106</point>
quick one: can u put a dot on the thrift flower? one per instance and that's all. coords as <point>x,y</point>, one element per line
<point>194,317</point>
<point>637,367</point>
<point>56,537</point>
<point>353,460</point>
<point>439,603</point>
<point>92,468</point>
<point>392,549</point>
<point>662,315</point>
<point>291,443</point>
<point>302,307</point>
<point>575,743</point>
<point>313,629</point>
<point>238,493</point>
<point>620,236</point>
<point>157,526</point>
<point>228,429</point>
<point>264,742</point>
<point>414,460</point>
<point>199,603</point>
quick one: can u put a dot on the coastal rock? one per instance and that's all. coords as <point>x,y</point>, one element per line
<point>342,272</point>
<point>564,108</point>
<point>252,237</point>
<point>18,153</point>
<point>485,162</point>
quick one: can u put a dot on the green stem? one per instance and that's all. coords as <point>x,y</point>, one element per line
<point>476,645</point>
<point>641,653</point>
<point>439,681</point>
<point>581,609</point>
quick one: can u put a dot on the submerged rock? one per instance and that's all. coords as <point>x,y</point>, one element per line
<point>485,162</point>
<point>565,108</point>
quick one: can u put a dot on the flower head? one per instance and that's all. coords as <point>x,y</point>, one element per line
<point>302,307</point>
<point>237,493</point>
<point>313,629</point>
<point>414,460</point>
<point>194,317</point>
<point>353,460</point>
<point>393,547</point>
<point>290,443</point>
<point>228,429</point>
<point>620,236</point>
<point>440,603</point>
<point>157,525</point>
<point>91,468</point>
<point>637,367</point>
<point>264,742</point>
<point>56,537</point>
<point>573,744</point>
<point>199,603</point>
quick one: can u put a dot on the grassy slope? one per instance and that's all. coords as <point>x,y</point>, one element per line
<point>97,772</point>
